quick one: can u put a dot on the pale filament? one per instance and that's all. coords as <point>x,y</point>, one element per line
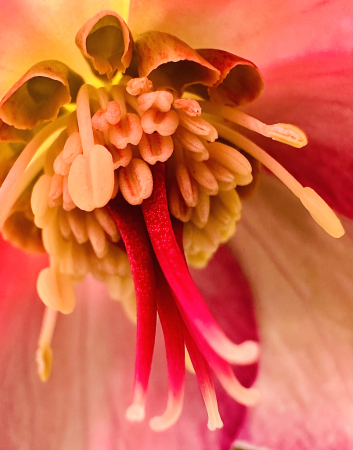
<point>83,112</point>
<point>102,97</point>
<point>319,210</point>
<point>282,132</point>
<point>44,351</point>
<point>119,96</point>
<point>8,189</point>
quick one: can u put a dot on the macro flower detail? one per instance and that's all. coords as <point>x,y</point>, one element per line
<point>123,178</point>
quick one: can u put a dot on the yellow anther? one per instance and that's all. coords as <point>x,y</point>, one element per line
<point>287,134</point>
<point>44,359</point>
<point>321,212</point>
<point>91,179</point>
<point>56,290</point>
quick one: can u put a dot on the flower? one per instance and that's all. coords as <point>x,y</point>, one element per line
<point>102,154</point>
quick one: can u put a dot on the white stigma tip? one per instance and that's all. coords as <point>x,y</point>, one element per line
<point>321,212</point>
<point>44,358</point>
<point>287,134</point>
<point>247,352</point>
<point>214,423</point>
<point>135,413</point>
<point>252,397</point>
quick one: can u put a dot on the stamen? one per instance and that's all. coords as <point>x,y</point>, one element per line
<point>56,191</point>
<point>321,212</point>
<point>106,221</point>
<point>154,147</point>
<point>198,126</point>
<point>44,354</point>
<point>56,290</point>
<point>189,106</point>
<point>161,100</point>
<point>177,205</point>
<point>156,214</point>
<point>8,193</point>
<point>127,131</point>
<point>119,96</point>
<point>72,148</point>
<point>201,212</point>
<point>281,132</point>
<point>202,174</point>
<point>76,219</point>
<point>187,185</point>
<point>164,123</point>
<point>190,141</point>
<point>136,182</point>
<point>137,86</point>
<point>91,178</point>
<point>317,207</point>
<point>84,118</point>
<point>129,221</point>
<point>96,236</point>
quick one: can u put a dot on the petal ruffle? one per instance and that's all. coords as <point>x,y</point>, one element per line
<point>37,30</point>
<point>83,404</point>
<point>302,288</point>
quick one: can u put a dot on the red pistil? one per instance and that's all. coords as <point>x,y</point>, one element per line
<point>174,344</point>
<point>133,231</point>
<point>156,214</point>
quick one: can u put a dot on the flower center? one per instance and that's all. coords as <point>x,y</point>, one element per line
<point>139,178</point>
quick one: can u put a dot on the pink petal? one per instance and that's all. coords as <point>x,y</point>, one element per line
<point>302,282</point>
<point>314,92</point>
<point>83,404</point>
<point>257,31</point>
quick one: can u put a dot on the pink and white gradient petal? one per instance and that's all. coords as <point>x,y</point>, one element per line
<point>314,92</point>
<point>83,404</point>
<point>302,291</point>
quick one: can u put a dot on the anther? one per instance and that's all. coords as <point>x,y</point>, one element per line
<point>282,132</point>
<point>189,106</point>
<point>321,212</point>
<point>161,100</point>
<point>136,182</point>
<point>202,174</point>
<point>127,131</point>
<point>56,290</point>
<point>96,236</point>
<point>44,355</point>
<point>190,141</point>
<point>103,118</point>
<point>137,86</point>
<point>164,123</point>
<point>199,126</point>
<point>154,147</point>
